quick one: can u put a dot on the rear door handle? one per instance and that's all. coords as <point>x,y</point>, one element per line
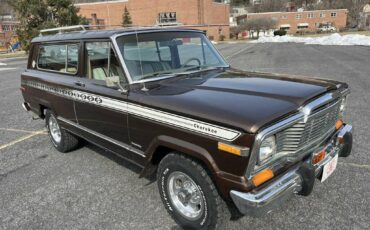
<point>79,83</point>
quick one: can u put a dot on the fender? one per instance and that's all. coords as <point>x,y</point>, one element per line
<point>182,146</point>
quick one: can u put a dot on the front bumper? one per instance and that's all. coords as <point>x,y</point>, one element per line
<point>299,180</point>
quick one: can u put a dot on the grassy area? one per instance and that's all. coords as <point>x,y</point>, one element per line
<point>367,33</point>
<point>13,55</point>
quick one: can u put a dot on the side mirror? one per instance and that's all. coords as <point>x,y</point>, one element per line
<point>112,81</point>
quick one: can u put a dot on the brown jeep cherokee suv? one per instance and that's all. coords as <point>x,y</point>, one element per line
<point>166,100</point>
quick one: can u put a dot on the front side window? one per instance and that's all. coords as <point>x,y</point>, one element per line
<point>101,62</point>
<point>150,55</point>
<point>59,58</point>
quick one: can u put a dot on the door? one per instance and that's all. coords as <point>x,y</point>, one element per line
<point>102,110</point>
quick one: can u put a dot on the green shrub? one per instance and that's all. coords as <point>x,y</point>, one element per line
<point>280,32</point>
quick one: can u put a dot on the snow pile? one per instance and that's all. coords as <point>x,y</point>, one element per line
<point>334,39</point>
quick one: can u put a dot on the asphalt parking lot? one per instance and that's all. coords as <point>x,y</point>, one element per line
<point>90,188</point>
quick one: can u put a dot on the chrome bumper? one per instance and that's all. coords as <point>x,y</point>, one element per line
<point>262,201</point>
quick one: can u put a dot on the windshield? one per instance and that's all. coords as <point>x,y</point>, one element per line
<point>152,55</point>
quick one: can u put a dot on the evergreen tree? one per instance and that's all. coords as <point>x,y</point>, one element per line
<point>35,15</point>
<point>126,18</point>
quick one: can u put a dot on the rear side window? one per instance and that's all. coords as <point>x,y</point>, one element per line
<point>58,58</point>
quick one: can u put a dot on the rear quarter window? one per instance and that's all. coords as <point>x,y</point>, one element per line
<point>58,58</point>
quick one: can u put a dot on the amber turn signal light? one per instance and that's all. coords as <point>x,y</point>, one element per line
<point>318,157</point>
<point>229,148</point>
<point>262,177</point>
<point>338,124</point>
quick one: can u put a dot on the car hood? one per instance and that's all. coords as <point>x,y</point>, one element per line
<point>242,100</point>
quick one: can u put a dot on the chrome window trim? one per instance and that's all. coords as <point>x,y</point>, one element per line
<point>304,113</point>
<point>118,53</point>
<point>128,75</point>
<point>66,59</point>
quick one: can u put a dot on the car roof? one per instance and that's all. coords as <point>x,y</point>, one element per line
<point>101,34</point>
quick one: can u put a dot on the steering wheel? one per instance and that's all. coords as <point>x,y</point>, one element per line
<point>190,60</point>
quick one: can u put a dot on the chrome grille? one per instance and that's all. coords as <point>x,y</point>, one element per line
<point>301,134</point>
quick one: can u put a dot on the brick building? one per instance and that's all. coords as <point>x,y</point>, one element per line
<point>308,21</point>
<point>209,15</point>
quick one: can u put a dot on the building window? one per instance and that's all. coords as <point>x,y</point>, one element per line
<point>322,15</point>
<point>310,15</point>
<point>298,16</point>
<point>6,28</point>
<point>284,17</point>
<point>167,17</point>
<point>333,14</point>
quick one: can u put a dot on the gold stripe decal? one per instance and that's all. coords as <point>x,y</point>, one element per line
<point>141,111</point>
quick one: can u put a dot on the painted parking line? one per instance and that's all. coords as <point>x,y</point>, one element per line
<point>33,134</point>
<point>229,57</point>
<point>6,69</point>
<point>19,130</point>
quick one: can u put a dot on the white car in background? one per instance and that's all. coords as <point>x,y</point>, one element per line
<point>327,29</point>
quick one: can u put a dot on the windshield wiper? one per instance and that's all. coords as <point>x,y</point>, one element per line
<point>204,68</point>
<point>159,74</point>
<point>197,67</point>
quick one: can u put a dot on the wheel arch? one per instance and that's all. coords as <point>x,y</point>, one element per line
<point>164,145</point>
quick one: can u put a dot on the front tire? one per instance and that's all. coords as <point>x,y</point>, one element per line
<point>62,140</point>
<point>189,194</point>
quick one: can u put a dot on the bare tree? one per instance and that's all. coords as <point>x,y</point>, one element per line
<point>309,4</point>
<point>258,25</point>
<point>270,6</point>
<point>354,7</point>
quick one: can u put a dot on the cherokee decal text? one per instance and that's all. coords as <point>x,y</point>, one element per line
<point>141,111</point>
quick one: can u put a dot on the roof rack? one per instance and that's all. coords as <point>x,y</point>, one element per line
<point>65,28</point>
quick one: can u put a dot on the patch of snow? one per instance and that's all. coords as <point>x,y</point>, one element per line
<point>215,43</point>
<point>331,40</point>
<point>2,64</point>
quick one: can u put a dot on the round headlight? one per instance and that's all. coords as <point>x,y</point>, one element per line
<point>267,148</point>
